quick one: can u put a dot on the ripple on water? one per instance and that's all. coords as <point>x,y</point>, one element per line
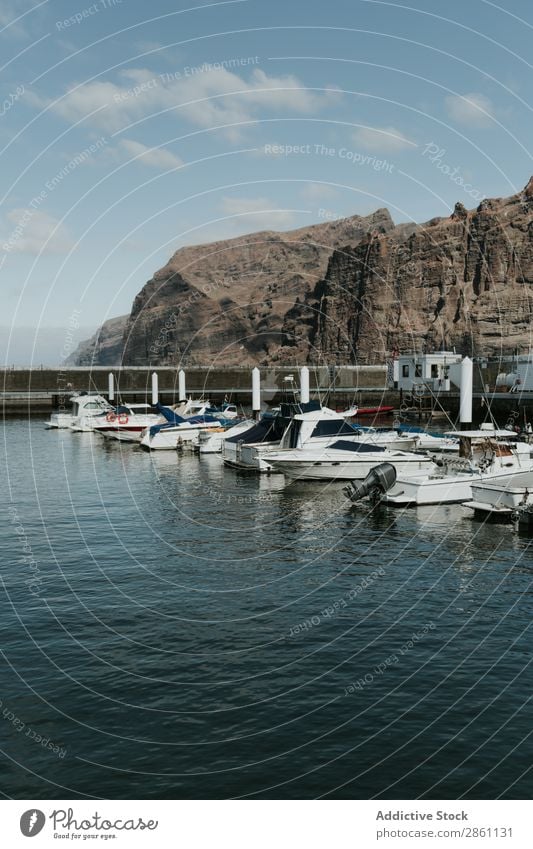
<point>202,633</point>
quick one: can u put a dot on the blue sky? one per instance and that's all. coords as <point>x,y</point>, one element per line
<point>128,129</point>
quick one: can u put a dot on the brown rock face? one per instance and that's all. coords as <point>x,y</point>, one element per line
<point>102,349</point>
<point>350,290</point>
<point>247,300</point>
<point>464,281</point>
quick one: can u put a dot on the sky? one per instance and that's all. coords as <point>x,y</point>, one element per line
<point>129,129</point>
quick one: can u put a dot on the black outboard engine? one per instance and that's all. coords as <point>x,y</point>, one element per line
<point>379,480</point>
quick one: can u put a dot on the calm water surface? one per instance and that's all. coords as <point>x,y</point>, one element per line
<point>176,630</point>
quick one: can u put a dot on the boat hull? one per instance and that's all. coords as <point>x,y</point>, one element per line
<point>170,439</point>
<point>445,489</point>
<point>121,434</point>
<point>345,469</point>
<point>212,442</point>
<point>59,421</point>
<point>499,500</point>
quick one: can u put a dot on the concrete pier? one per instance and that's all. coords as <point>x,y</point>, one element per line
<point>39,391</point>
<point>44,389</point>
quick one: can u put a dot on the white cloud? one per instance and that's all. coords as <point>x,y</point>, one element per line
<point>151,156</point>
<point>32,231</point>
<point>474,110</point>
<point>319,191</point>
<point>259,213</point>
<point>385,140</point>
<point>205,98</point>
<point>10,11</point>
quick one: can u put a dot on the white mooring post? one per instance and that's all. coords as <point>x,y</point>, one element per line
<point>256,392</point>
<point>111,386</point>
<point>465,402</point>
<point>155,389</point>
<point>304,385</point>
<point>182,390</point>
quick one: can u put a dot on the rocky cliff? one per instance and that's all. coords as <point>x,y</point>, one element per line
<point>104,348</point>
<point>347,290</point>
<point>465,281</point>
<point>231,302</point>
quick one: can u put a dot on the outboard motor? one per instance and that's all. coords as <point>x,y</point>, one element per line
<point>378,481</point>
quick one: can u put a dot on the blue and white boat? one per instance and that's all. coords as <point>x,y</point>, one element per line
<point>176,430</point>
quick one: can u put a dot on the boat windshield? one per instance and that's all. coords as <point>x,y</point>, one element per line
<point>290,437</point>
<point>332,427</point>
<point>357,447</point>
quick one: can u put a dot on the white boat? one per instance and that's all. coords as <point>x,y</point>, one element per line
<point>430,441</point>
<point>483,457</point>
<point>500,499</point>
<point>83,406</point>
<point>125,423</point>
<point>317,426</point>
<point>345,460</point>
<point>226,411</point>
<point>211,441</point>
<point>201,407</point>
<point>191,407</point>
<point>176,432</point>
<point>246,450</point>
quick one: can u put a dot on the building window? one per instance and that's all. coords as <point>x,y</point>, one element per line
<point>434,370</point>
<point>418,370</point>
<point>405,371</point>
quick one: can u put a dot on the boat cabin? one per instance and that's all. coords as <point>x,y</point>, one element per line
<point>88,405</point>
<point>322,423</point>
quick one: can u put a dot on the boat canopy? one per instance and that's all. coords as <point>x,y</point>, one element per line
<point>169,414</point>
<point>358,447</point>
<point>265,430</point>
<point>173,419</point>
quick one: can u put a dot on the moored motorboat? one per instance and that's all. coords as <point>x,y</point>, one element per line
<point>430,440</point>
<point>176,431</point>
<point>125,423</point>
<point>310,426</point>
<point>502,498</point>
<point>225,411</point>
<point>345,460</point>
<point>84,406</point>
<point>482,457</point>
<point>211,441</point>
<point>247,450</point>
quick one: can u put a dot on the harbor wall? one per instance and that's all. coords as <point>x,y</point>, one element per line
<point>44,389</point>
<point>38,391</point>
